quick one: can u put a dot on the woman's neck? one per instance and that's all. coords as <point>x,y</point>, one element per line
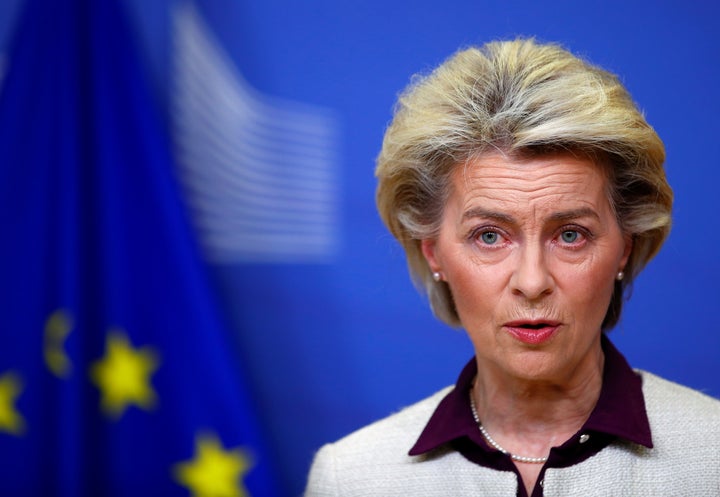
<point>528,417</point>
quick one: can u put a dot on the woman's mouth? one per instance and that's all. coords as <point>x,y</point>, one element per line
<point>532,332</point>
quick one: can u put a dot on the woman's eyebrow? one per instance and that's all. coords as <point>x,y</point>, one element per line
<point>574,214</point>
<point>479,212</point>
<point>568,215</point>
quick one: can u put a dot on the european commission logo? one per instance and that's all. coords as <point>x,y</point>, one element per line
<point>260,173</point>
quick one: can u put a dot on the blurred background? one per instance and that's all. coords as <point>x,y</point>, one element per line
<point>197,292</point>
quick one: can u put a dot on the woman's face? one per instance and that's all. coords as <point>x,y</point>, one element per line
<point>530,250</point>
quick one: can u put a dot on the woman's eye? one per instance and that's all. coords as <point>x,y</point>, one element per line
<point>489,237</point>
<point>570,236</point>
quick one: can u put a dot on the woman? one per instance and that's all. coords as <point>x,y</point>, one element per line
<point>528,192</point>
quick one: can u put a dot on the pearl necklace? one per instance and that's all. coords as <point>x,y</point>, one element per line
<point>486,435</point>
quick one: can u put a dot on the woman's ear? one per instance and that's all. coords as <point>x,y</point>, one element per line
<point>428,247</point>
<point>627,251</point>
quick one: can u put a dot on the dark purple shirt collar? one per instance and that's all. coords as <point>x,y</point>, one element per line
<point>619,413</point>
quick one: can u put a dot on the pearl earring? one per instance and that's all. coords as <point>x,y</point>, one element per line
<point>619,276</point>
<point>437,276</point>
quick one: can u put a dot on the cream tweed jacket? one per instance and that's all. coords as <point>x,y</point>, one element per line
<point>685,460</point>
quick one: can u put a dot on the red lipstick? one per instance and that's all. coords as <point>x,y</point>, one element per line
<point>532,332</point>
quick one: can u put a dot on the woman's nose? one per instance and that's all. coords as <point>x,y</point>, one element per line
<point>531,277</point>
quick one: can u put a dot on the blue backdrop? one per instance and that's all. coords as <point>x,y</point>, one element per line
<point>276,111</point>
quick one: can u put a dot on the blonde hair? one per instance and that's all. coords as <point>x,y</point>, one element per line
<point>523,99</point>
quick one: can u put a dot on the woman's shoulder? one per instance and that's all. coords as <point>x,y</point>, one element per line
<point>674,397</point>
<point>398,430</point>
<point>680,415</point>
<point>366,455</point>
<point>374,461</point>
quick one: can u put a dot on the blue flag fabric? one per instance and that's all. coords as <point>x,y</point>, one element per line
<point>115,375</point>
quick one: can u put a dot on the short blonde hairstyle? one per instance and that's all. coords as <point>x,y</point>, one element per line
<point>523,99</point>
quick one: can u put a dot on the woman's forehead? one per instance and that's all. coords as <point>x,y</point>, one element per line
<point>561,180</point>
<point>501,171</point>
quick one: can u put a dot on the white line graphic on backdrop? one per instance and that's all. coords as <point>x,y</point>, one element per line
<point>260,173</point>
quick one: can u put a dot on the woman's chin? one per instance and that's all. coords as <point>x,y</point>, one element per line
<point>534,366</point>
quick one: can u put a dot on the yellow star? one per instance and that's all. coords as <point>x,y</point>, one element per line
<point>214,472</point>
<point>57,328</point>
<point>123,375</point>
<point>10,420</point>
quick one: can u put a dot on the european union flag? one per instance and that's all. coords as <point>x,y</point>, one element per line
<point>115,372</point>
